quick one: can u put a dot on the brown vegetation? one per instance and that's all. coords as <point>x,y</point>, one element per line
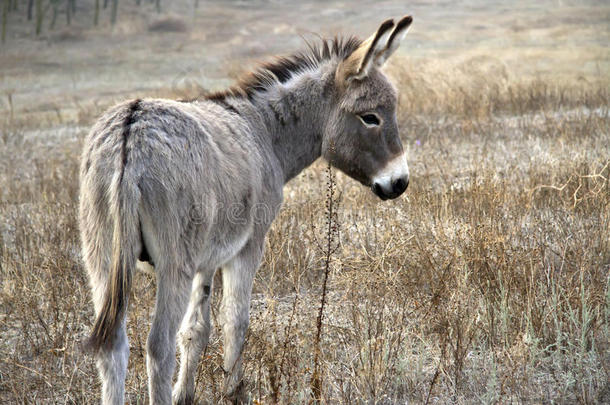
<point>488,282</point>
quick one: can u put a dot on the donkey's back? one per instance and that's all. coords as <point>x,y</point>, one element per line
<point>167,146</point>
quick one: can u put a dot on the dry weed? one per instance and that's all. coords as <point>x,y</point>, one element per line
<point>488,282</point>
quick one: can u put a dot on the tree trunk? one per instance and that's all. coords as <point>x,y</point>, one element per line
<point>158,4</point>
<point>54,17</point>
<point>39,15</point>
<point>115,6</point>
<point>4,18</point>
<point>30,9</point>
<point>96,15</point>
<point>68,12</point>
<point>105,4</point>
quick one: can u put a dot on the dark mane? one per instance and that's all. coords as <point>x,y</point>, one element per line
<point>282,68</point>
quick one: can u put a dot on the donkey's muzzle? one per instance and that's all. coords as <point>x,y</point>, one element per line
<point>396,188</point>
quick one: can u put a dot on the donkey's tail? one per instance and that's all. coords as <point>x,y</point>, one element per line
<point>124,202</point>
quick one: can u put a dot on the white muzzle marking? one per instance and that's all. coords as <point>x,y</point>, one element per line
<point>395,169</point>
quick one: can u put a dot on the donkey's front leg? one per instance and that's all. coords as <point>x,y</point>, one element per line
<point>173,290</point>
<point>237,277</point>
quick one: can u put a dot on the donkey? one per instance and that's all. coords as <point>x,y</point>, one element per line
<point>160,181</point>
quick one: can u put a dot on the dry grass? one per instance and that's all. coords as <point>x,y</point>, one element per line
<point>488,282</point>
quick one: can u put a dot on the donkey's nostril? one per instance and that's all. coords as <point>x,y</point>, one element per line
<point>400,185</point>
<point>377,189</point>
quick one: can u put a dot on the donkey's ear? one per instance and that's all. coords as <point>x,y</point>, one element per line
<point>394,42</point>
<point>359,63</point>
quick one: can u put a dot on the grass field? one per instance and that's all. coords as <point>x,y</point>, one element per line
<point>487,282</point>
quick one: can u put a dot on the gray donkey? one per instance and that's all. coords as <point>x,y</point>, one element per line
<point>191,187</point>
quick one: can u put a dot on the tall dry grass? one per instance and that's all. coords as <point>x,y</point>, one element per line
<point>488,282</point>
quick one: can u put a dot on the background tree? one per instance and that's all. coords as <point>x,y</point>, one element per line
<point>40,12</point>
<point>30,9</point>
<point>96,12</point>
<point>113,11</point>
<point>5,9</point>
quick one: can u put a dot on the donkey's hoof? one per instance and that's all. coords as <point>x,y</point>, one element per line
<point>183,399</point>
<point>238,395</point>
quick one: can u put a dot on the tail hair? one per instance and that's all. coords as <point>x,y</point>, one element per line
<point>124,200</point>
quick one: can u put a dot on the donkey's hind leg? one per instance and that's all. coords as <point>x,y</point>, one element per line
<point>173,288</point>
<point>237,278</point>
<point>112,366</point>
<point>193,336</point>
<point>111,360</point>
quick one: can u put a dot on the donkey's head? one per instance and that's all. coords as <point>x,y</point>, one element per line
<point>362,137</point>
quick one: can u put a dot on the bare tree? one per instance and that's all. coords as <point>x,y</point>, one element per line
<point>55,4</point>
<point>68,12</point>
<point>113,11</point>
<point>96,13</point>
<point>30,9</point>
<point>40,11</point>
<point>4,18</point>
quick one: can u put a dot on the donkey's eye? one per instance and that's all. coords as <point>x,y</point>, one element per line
<point>369,120</point>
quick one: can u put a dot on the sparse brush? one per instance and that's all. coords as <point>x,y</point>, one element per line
<point>487,282</point>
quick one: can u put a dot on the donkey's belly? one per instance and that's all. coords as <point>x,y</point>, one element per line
<point>211,248</point>
<point>219,249</point>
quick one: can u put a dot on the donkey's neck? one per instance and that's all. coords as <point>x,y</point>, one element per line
<point>294,114</point>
